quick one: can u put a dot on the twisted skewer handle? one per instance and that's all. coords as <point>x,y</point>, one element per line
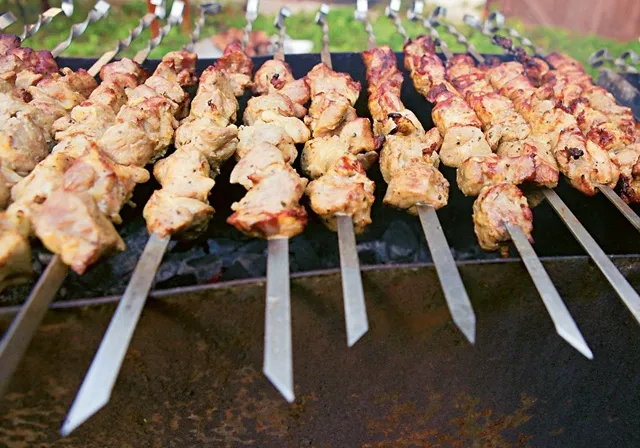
<point>251,15</point>
<point>415,14</point>
<point>495,23</point>
<point>100,10</point>
<point>123,44</point>
<point>67,7</point>
<point>362,15</point>
<point>206,9</point>
<point>602,56</point>
<point>321,19</point>
<point>7,19</point>
<point>175,18</point>
<point>43,19</point>
<point>460,38</point>
<point>282,28</point>
<point>393,12</point>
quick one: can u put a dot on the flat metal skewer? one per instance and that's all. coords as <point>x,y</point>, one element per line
<point>489,29</point>
<point>278,350</point>
<point>43,19</point>
<point>99,11</point>
<point>626,292</point>
<point>562,319</point>
<point>98,384</point>
<point>17,339</point>
<point>355,309</point>
<point>175,18</point>
<point>564,323</point>
<point>453,288</point>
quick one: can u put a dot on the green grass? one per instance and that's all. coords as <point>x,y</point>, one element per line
<point>345,33</point>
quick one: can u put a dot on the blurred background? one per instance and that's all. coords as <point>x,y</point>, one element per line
<point>575,27</point>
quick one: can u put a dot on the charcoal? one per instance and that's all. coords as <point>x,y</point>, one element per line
<point>205,269</point>
<point>247,266</point>
<point>372,252</point>
<point>302,255</point>
<point>402,243</point>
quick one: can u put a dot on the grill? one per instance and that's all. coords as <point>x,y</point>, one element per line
<point>203,328</point>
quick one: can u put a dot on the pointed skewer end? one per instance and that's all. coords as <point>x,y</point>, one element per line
<point>285,387</point>
<point>82,409</point>
<point>467,327</point>
<point>576,341</point>
<point>355,334</point>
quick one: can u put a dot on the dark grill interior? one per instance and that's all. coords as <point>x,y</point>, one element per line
<point>223,254</point>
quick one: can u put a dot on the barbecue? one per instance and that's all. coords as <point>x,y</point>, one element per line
<point>306,155</point>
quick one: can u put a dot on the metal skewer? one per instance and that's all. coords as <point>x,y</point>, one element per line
<point>99,11</point>
<point>43,19</point>
<point>628,295</point>
<point>206,9</point>
<point>67,7</point>
<point>175,18</point>
<point>25,324</point>
<point>355,309</point>
<point>496,23</point>
<point>7,19</point>
<point>97,386</point>
<point>278,351</point>
<point>564,323</point>
<point>251,15</point>
<point>452,286</point>
<point>602,56</point>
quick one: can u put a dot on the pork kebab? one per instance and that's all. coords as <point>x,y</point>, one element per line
<point>205,139</point>
<point>464,146</point>
<point>409,163</point>
<point>271,209</point>
<point>596,111</point>
<point>86,122</point>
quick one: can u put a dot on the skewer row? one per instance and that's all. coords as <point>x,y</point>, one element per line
<point>273,82</point>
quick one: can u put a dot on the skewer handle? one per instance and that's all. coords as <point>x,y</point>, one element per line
<point>416,15</point>
<point>460,38</point>
<point>67,7</point>
<point>496,22</point>
<point>122,44</point>
<point>19,335</point>
<point>43,19</point>
<point>100,10</point>
<point>98,384</point>
<point>393,12</point>
<point>626,292</point>
<point>175,17</point>
<point>362,15</point>
<point>321,19</point>
<point>565,325</point>
<point>278,351</point>
<point>448,273</point>
<point>251,15</point>
<point>7,19</point>
<point>206,9</point>
<point>282,31</point>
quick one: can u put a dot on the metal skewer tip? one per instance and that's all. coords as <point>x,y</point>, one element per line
<point>278,352</point>
<point>622,287</point>
<point>565,325</point>
<point>448,273</point>
<point>98,384</point>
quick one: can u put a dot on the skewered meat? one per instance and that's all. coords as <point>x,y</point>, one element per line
<point>340,184</point>
<point>409,158</point>
<point>506,130</point>
<point>585,164</point>
<point>271,208</point>
<point>140,134</point>
<point>204,141</point>
<point>464,106</point>
<point>496,205</point>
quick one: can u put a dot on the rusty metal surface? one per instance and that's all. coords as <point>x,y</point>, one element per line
<point>192,376</point>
